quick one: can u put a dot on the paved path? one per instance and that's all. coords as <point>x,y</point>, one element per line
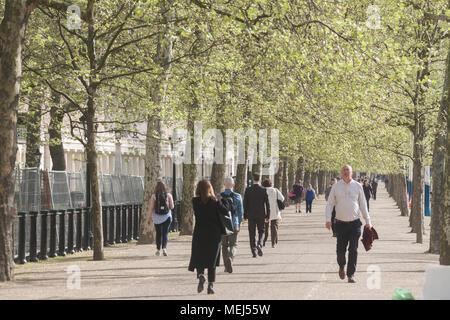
<point>302,266</point>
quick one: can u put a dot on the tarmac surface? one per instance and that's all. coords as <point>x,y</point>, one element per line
<point>302,266</point>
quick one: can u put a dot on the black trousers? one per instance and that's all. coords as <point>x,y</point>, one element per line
<point>308,206</point>
<point>348,234</point>
<point>252,225</point>
<point>211,273</point>
<point>374,193</point>
<point>333,220</point>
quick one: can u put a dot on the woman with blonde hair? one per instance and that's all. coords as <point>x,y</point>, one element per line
<point>207,234</point>
<point>161,206</point>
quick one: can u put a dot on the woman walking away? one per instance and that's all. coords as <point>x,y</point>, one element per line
<point>205,252</point>
<point>367,192</point>
<point>161,206</point>
<point>310,196</point>
<point>374,188</point>
<point>275,214</point>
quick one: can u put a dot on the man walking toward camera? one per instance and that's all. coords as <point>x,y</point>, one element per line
<point>257,211</point>
<point>348,199</point>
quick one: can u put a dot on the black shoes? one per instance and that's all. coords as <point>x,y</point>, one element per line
<point>228,265</point>
<point>351,279</point>
<point>201,282</point>
<point>341,273</point>
<point>260,253</point>
<point>210,288</point>
<point>254,253</point>
<point>273,245</point>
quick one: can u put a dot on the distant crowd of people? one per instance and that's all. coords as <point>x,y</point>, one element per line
<point>219,217</point>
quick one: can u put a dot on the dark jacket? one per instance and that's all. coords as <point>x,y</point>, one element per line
<point>298,190</point>
<point>205,251</point>
<point>367,191</point>
<point>369,235</point>
<point>374,186</point>
<point>256,203</point>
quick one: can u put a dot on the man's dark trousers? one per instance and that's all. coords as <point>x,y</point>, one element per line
<point>348,233</point>
<point>254,223</point>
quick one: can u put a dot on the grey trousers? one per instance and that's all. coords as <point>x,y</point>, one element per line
<point>229,245</point>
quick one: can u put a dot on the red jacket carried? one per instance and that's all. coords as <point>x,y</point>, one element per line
<point>369,235</point>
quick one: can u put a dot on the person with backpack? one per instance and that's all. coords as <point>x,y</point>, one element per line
<point>310,196</point>
<point>298,190</point>
<point>161,206</point>
<point>206,238</point>
<point>233,204</point>
<point>276,202</point>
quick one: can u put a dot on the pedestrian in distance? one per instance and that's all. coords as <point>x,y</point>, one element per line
<point>367,192</point>
<point>348,199</point>
<point>309,198</point>
<point>298,190</point>
<point>257,212</point>
<point>161,206</point>
<point>374,186</point>
<point>275,213</point>
<point>206,239</point>
<point>333,214</point>
<point>230,242</point>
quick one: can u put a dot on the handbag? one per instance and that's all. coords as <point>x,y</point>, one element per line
<point>226,220</point>
<point>292,196</point>
<point>280,203</point>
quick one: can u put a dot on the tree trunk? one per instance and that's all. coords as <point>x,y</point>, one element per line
<point>153,140</point>
<point>403,199</point>
<point>12,31</point>
<point>314,181</point>
<point>300,170</point>
<point>241,175</point>
<point>285,189</point>
<point>278,177</point>
<point>438,168</point>
<point>307,178</point>
<point>321,181</point>
<point>291,172</point>
<point>417,190</point>
<point>33,123</point>
<point>54,131</point>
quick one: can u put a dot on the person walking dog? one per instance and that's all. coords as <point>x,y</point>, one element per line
<point>348,199</point>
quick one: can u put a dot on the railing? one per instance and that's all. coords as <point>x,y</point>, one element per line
<point>39,235</point>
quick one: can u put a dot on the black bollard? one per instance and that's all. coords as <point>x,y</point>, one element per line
<point>79,246</point>
<point>130,222</point>
<point>118,224</point>
<point>136,221</point>
<point>86,217</point>
<point>43,249</point>
<point>62,233</point>
<point>112,225</point>
<point>70,247</point>
<point>139,219</point>
<point>124,223</point>
<point>33,237</point>
<point>22,238</point>
<point>105,225</point>
<point>52,252</point>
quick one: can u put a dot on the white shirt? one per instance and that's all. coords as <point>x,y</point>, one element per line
<point>348,199</point>
<point>273,194</point>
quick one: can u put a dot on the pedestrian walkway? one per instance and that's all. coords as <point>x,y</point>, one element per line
<point>302,266</point>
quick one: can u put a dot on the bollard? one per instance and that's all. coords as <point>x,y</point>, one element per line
<point>112,225</point>
<point>52,252</point>
<point>130,222</point>
<point>124,223</point>
<point>136,222</point>
<point>139,220</point>
<point>86,235</point>
<point>43,249</point>
<point>22,235</point>
<point>70,247</point>
<point>118,224</point>
<point>62,233</point>
<point>33,237</point>
<point>105,225</point>
<point>79,230</point>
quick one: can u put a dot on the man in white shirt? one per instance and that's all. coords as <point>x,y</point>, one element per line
<point>348,199</point>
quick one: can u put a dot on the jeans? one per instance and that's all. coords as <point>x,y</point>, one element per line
<point>273,231</point>
<point>211,273</point>
<point>348,234</point>
<point>308,206</point>
<point>252,225</point>
<point>162,233</point>
<point>229,244</point>
<point>367,200</point>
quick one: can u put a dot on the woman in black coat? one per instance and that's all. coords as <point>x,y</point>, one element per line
<point>207,235</point>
